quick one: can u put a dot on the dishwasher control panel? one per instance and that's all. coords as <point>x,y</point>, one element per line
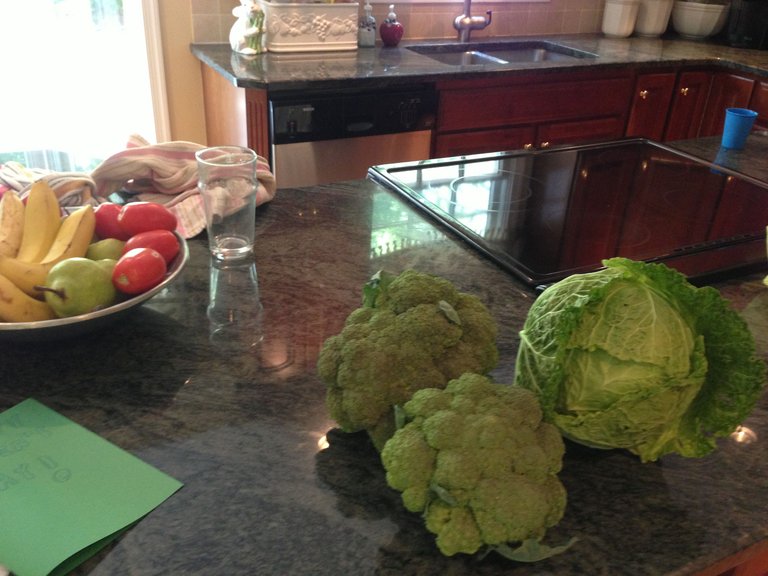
<point>325,117</point>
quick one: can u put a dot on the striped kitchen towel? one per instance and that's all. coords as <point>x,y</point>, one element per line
<point>72,188</point>
<point>167,173</point>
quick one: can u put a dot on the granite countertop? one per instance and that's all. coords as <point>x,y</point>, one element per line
<point>239,418</point>
<point>383,66</point>
<point>750,161</point>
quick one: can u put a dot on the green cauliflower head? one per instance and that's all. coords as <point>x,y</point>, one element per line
<point>478,461</point>
<point>414,331</point>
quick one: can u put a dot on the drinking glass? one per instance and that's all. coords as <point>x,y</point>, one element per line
<point>227,182</point>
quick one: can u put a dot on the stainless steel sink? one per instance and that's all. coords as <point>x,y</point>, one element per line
<point>465,57</point>
<point>499,53</point>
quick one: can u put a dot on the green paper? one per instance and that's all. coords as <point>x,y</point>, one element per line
<point>65,492</point>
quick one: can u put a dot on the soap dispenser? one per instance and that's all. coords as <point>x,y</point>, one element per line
<point>366,33</point>
<point>391,30</point>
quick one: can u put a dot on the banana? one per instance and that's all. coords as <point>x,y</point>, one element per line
<point>25,275</point>
<point>11,223</point>
<point>71,241</point>
<point>73,237</point>
<point>16,306</point>
<point>42,218</point>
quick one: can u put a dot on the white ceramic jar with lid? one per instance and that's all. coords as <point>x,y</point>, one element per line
<point>653,17</point>
<point>619,17</point>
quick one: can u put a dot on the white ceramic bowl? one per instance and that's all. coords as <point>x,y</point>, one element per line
<point>653,17</point>
<point>696,21</point>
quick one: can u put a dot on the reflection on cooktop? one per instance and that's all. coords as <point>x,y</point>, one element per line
<point>546,214</point>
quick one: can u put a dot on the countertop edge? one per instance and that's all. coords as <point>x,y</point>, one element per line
<point>380,66</point>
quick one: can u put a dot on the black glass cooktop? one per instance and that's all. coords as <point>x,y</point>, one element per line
<point>546,214</point>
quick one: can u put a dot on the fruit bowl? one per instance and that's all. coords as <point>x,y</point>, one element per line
<point>60,327</point>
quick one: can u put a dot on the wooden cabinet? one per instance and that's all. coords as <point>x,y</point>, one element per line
<point>622,205</point>
<point>688,103</point>
<point>596,206</point>
<point>479,141</point>
<point>234,116</point>
<point>727,91</point>
<point>677,105</point>
<point>752,561</point>
<point>541,110</point>
<point>672,206</point>
<point>650,105</point>
<point>533,110</point>
<point>576,131</point>
<point>759,102</point>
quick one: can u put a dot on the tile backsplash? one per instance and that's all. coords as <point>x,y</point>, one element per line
<point>212,19</point>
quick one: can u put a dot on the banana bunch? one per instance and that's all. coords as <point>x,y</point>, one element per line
<point>45,239</point>
<point>11,223</point>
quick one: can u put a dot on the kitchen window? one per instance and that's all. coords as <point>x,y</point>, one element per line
<point>80,76</point>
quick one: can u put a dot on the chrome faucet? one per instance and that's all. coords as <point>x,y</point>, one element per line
<point>466,22</point>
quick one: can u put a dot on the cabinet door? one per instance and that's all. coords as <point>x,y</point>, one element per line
<point>480,141</point>
<point>759,103</point>
<point>742,211</point>
<point>650,104</point>
<point>672,206</point>
<point>728,91</point>
<point>688,104</point>
<point>595,207</point>
<point>559,98</point>
<point>580,131</point>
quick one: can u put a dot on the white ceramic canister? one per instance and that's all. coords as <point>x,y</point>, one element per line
<point>653,17</point>
<point>619,17</point>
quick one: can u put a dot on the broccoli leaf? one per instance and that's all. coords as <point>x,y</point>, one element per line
<point>443,494</point>
<point>450,312</point>
<point>377,283</point>
<point>401,417</point>
<point>532,550</point>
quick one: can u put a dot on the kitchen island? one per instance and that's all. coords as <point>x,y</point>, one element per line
<point>272,488</point>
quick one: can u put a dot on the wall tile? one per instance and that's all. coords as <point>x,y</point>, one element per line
<point>435,20</point>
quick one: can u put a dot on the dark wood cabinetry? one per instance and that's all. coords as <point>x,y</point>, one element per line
<point>759,102</point>
<point>479,141</point>
<point>530,111</point>
<point>688,103</point>
<point>652,204</point>
<point>650,105</point>
<point>604,181</point>
<point>541,110</point>
<point>727,91</point>
<point>672,206</point>
<point>681,104</point>
<point>233,115</point>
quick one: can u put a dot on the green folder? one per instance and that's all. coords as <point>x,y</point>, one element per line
<point>65,492</point>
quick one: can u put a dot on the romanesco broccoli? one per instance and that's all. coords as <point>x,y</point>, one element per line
<point>479,462</point>
<point>414,331</point>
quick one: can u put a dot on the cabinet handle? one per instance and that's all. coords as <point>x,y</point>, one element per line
<point>528,146</point>
<point>684,91</point>
<point>545,144</point>
<point>643,94</point>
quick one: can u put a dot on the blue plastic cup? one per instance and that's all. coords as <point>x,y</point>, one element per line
<point>738,124</point>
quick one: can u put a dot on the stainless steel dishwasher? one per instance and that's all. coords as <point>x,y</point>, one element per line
<point>319,139</point>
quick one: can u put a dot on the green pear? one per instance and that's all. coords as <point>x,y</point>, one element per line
<point>109,248</point>
<point>108,264</point>
<point>77,286</point>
